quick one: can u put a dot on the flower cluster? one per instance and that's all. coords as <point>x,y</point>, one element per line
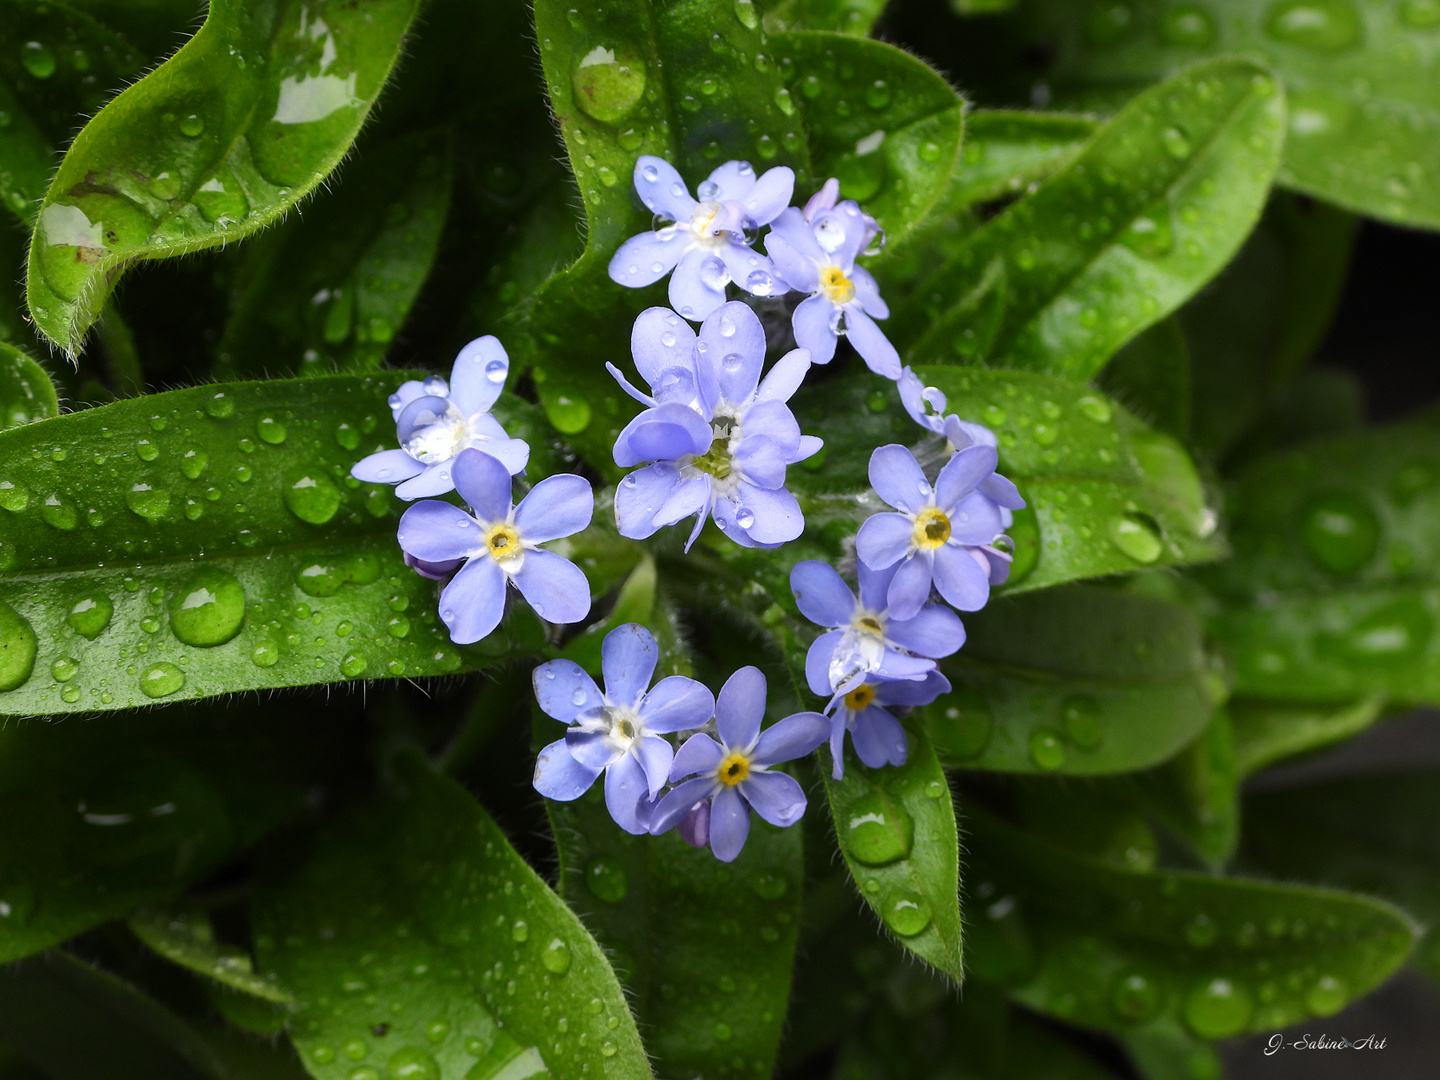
<point>621,732</point>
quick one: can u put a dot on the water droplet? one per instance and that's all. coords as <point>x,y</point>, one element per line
<point>313,498</point>
<point>90,615</point>
<point>412,1063</point>
<point>961,730</point>
<point>38,58</point>
<point>606,879</point>
<point>1135,998</point>
<point>744,517</point>
<point>352,665</point>
<point>220,405</point>
<point>1150,235</point>
<point>1137,535</point>
<point>570,414</point>
<point>64,669</point>
<point>220,203</point>
<point>770,886</point>
<point>555,957</point>
<point>608,80</point>
<point>520,931</point>
<point>1340,531</point>
<point>1395,634</point>
<point>193,462</point>
<point>1046,750</point>
<point>347,436</point>
<point>164,186</point>
<point>746,13</point>
<point>878,95</point>
<point>58,514</point>
<point>398,626</point>
<point>1327,997</point>
<point>1201,931</point>
<point>161,680</point>
<point>17,648</point>
<point>877,830</point>
<point>1409,481</point>
<point>1096,408</point>
<point>1188,26</point>
<point>265,654</point>
<point>146,450</point>
<point>1323,25</point>
<point>906,913</point>
<point>1176,143</point>
<point>1081,718</point>
<point>1109,22</point>
<point>150,503</point>
<point>1218,1009</point>
<point>208,609</point>
<point>192,126</point>
<point>270,430</point>
<point>13,497</point>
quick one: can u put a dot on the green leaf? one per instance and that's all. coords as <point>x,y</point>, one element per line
<point>843,16</point>
<point>416,899</point>
<point>1133,952</point>
<point>80,1023</point>
<point>1105,493</point>
<point>1333,592</point>
<point>896,829</point>
<point>234,497</point>
<point>186,937</point>
<point>330,289</point>
<point>1196,794</point>
<point>219,141</point>
<point>1082,680</point>
<point>1151,375</point>
<point>1270,731</point>
<point>131,811</point>
<point>883,123</point>
<point>685,83</point>
<point>1153,206</point>
<point>1373,833</point>
<point>704,948</point>
<point>1171,1055</point>
<point>1364,128</point>
<point>1006,151</point>
<point>26,392</point>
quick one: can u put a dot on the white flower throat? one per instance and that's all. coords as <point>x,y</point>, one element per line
<point>441,440</point>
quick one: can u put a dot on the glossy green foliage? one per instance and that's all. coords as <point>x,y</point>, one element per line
<point>186,937</point>
<point>1083,680</point>
<point>417,941</point>
<point>330,289</point>
<point>1151,376</point>
<point>209,540</point>
<point>1153,206</point>
<point>1268,731</point>
<point>881,122</point>
<point>1332,595</point>
<point>1373,833</point>
<point>1360,75</point>
<point>1008,150</point>
<point>896,828</point>
<point>132,811</point>
<point>1105,493</point>
<point>222,139</point>
<point>704,949</point>
<point>26,392</point>
<point>1127,951</point>
<point>1196,794</point>
<point>843,16</point>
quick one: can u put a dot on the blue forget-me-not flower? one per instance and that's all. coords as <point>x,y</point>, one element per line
<point>436,420</point>
<point>818,257</point>
<point>959,434</point>
<point>718,436</point>
<point>706,242</point>
<point>938,534</point>
<point>865,640</point>
<point>876,734</point>
<point>499,544</point>
<point>732,776</point>
<point>617,732</point>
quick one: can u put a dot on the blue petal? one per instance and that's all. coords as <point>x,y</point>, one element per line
<point>897,478</point>
<point>474,601</point>
<point>1000,490</point>
<point>432,480</point>
<point>592,749</point>
<point>647,257</point>
<point>965,469</point>
<point>770,195</point>
<point>777,798</point>
<point>897,665</point>
<point>514,454</point>
<point>776,422</point>
<point>697,287</point>
<point>640,495</point>
<point>867,291</point>
<point>874,584</point>
<point>910,587</point>
<point>436,532</point>
<point>479,375</point>
<point>386,467</point>
<point>655,755</point>
<point>791,738</point>
<point>760,461</point>
<point>698,754</point>
<point>814,326</point>
<point>976,521</point>
<point>625,787</point>
<point>782,380</point>
<point>564,690</point>
<point>884,539</point>
<point>729,824</point>
<point>821,593</point>
<point>778,519</point>
<point>679,802</point>
<point>484,483</point>
<point>732,339</point>
<point>557,506</point>
<point>695,825</point>
<point>661,189</point>
<point>733,180</point>
<point>664,433</point>
<point>555,587</point>
<point>935,631</point>
<point>960,578</point>
<point>661,340</point>
<point>687,497</point>
<point>878,738</point>
<point>817,662</point>
<point>871,343</point>
<point>791,229</point>
<point>559,776</point>
<point>740,707</point>
<point>912,692</point>
<point>676,703</point>
<point>628,656</point>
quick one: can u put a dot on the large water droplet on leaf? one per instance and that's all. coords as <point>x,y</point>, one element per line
<point>606,879</point>
<point>312,497</point>
<point>1218,1009</point>
<point>1323,25</point>
<point>17,648</point>
<point>906,913</point>
<point>961,724</point>
<point>90,614</point>
<point>1187,25</point>
<point>608,80</point>
<point>876,830</point>
<point>1340,531</point>
<point>1137,535</point>
<point>208,609</point>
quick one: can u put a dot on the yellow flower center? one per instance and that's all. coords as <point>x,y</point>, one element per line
<point>932,528</point>
<point>860,697</point>
<point>733,769</point>
<point>838,289</point>
<point>503,542</point>
<point>716,460</point>
<point>869,623</point>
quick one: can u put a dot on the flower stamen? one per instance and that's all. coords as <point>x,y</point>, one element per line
<point>838,288</point>
<point>932,528</point>
<point>859,698</point>
<point>733,769</point>
<point>503,542</point>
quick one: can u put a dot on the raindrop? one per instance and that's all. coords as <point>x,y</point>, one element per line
<point>746,13</point>
<point>1340,531</point>
<point>17,648</point>
<point>90,615</point>
<point>1188,26</point>
<point>495,371</point>
<point>352,665</point>
<point>64,669</point>
<point>1201,931</point>
<point>1395,634</point>
<point>608,81</point>
<point>265,654</point>
<point>1323,25</point>
<point>785,101</point>
<point>150,503</point>
<point>744,518</point>
<point>1176,143</point>
<point>58,514</point>
<point>1218,1009</point>
<point>1137,535</point>
<point>606,879</point>
<point>1327,997</point>
<point>38,58</point>
<point>208,609</point>
<point>1135,998</point>
<point>193,462</point>
<point>1096,408</point>
<point>161,680</point>
<point>1108,23</point>
<point>146,450</point>
<point>1408,482</point>
<point>1080,716</point>
<point>13,497</point>
<point>877,830</point>
<point>1421,14</point>
<point>347,436</point>
<point>569,415</point>
<point>270,430</point>
<point>1046,750</point>
<point>313,498</point>
<point>192,126</point>
<point>1150,235</point>
<point>770,886</point>
<point>578,697</point>
<point>520,932</point>
<point>878,95</point>
<point>412,1063</point>
<point>398,626</point>
<point>906,913</point>
<point>962,730</point>
<point>555,957</point>
<point>220,406</point>
<point>164,186</point>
